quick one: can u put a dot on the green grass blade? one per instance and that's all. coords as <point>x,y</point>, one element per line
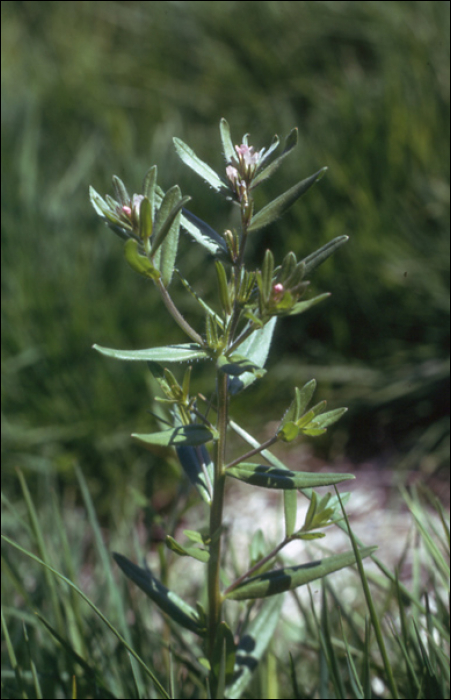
<point>111,627</point>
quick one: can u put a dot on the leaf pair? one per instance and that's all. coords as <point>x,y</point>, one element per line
<point>274,209</point>
<point>313,422</point>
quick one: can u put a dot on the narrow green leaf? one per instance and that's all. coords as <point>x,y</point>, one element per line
<point>292,577</point>
<point>275,478</point>
<point>292,413</point>
<point>145,220</point>
<point>290,502</point>
<point>328,418</point>
<point>100,206</point>
<point>149,185</point>
<point>235,365</point>
<point>194,552</point>
<point>187,155</point>
<point>120,191</point>
<point>305,396</point>
<point>254,642</point>
<point>169,353</point>
<point>140,263</point>
<point>167,601</point>
<point>170,207</point>
<point>288,432</point>
<point>224,294</point>
<point>308,522</point>
<point>256,349</point>
<point>169,250</point>
<point>194,536</point>
<point>310,415</point>
<point>287,268</point>
<point>278,206</point>
<point>290,143</point>
<point>204,235</point>
<point>198,467</point>
<point>182,435</point>
<point>274,144</point>
<point>312,261</point>
<point>227,143</point>
<point>267,274</point>
<point>302,306</point>
<point>313,432</point>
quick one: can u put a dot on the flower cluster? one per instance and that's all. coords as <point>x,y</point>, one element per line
<point>243,168</point>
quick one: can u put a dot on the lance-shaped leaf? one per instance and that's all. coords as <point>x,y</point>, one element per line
<point>290,143</point>
<point>267,275</point>
<point>169,250</point>
<point>302,306</point>
<point>301,401</point>
<point>274,478</point>
<point>170,207</point>
<point>167,601</point>
<point>97,201</point>
<point>238,364</point>
<point>254,642</point>
<point>328,418</point>
<point>204,234</point>
<point>194,552</point>
<point>226,140</point>
<point>198,467</point>
<point>120,191</point>
<point>169,353</point>
<point>140,263</point>
<point>256,349</point>
<point>292,577</point>
<point>182,435</point>
<point>223,287</point>
<point>145,220</point>
<point>278,206</point>
<point>200,167</point>
<point>149,186</point>
<point>319,256</point>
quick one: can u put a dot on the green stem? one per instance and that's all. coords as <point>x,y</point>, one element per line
<point>255,451</point>
<point>257,566</point>
<point>177,316</point>
<point>214,593</point>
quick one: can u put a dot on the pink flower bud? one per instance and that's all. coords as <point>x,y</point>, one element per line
<point>278,288</point>
<point>127,211</point>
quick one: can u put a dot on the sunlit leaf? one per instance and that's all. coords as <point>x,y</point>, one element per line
<point>182,435</point>
<point>195,163</point>
<point>312,261</point>
<point>204,234</point>
<point>169,602</point>
<point>278,206</point>
<point>274,478</point>
<point>289,578</point>
<point>256,349</point>
<point>227,143</point>
<point>140,263</point>
<point>169,353</point>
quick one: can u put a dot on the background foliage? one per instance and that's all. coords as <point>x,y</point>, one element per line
<point>90,89</point>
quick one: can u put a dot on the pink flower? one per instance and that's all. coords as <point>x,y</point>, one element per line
<point>277,292</point>
<point>247,155</point>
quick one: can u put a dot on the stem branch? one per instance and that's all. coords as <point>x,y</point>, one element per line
<point>177,316</point>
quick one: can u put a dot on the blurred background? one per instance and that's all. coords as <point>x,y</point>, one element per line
<point>92,89</point>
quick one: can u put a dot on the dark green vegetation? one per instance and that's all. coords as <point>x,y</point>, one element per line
<point>93,88</point>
